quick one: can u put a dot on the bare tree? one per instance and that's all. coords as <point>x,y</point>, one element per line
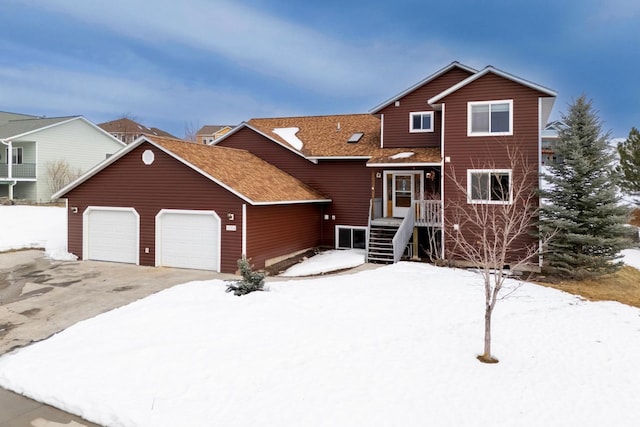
<point>492,225</point>
<point>60,174</point>
<point>191,131</point>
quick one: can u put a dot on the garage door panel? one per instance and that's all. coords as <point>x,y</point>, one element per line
<point>188,239</point>
<point>112,235</point>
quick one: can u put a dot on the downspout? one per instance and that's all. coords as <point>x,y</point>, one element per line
<point>244,231</point>
<point>7,142</point>
<point>442,182</point>
<point>540,128</point>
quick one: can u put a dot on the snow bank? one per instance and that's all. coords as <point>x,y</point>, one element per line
<point>40,227</point>
<point>391,346</point>
<point>326,262</point>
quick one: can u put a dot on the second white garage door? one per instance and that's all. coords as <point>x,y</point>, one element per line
<point>188,239</point>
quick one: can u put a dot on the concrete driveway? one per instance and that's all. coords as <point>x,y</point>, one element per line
<point>40,297</point>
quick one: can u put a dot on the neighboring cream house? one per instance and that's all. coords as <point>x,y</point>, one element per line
<point>32,146</point>
<point>209,133</point>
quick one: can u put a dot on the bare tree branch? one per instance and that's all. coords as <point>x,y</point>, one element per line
<point>494,230</point>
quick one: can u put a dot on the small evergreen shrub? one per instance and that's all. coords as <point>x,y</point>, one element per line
<point>251,281</point>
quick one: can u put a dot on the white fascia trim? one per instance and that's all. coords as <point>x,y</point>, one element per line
<point>316,158</point>
<point>97,168</point>
<point>104,132</point>
<point>228,134</point>
<point>401,165</point>
<point>288,147</point>
<point>45,127</point>
<point>291,202</point>
<point>93,125</point>
<point>497,72</point>
<point>422,83</point>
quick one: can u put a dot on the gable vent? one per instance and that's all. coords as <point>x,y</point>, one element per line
<point>355,137</point>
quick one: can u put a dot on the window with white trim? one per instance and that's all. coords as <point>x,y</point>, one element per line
<point>421,121</point>
<point>490,118</point>
<point>351,237</point>
<point>492,186</point>
<point>16,156</point>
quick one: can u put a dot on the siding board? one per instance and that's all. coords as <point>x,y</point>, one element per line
<point>346,182</point>
<point>488,152</point>
<point>168,184</point>
<point>396,119</point>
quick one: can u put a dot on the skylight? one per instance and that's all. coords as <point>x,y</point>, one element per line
<point>355,137</point>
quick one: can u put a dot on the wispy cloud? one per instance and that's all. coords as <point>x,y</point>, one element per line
<point>254,39</point>
<point>99,96</point>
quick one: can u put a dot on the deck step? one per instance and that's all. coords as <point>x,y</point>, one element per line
<point>381,243</point>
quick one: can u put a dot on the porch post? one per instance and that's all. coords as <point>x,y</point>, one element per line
<point>7,142</point>
<point>373,193</point>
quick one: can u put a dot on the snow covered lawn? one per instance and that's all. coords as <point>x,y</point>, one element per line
<point>391,346</point>
<point>40,227</point>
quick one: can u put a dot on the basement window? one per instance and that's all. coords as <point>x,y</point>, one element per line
<point>348,237</point>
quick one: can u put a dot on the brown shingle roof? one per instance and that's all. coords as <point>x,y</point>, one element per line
<point>326,136</point>
<point>400,156</point>
<point>125,125</point>
<point>243,172</point>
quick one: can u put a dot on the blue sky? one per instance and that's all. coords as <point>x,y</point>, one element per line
<point>176,64</point>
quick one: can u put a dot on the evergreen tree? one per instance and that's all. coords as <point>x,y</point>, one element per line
<point>582,203</point>
<point>629,168</point>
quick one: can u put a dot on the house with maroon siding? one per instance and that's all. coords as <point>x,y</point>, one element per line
<point>165,202</point>
<point>273,187</point>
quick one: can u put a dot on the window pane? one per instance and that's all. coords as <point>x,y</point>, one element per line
<point>480,118</point>
<point>500,186</point>
<point>16,157</point>
<point>479,186</point>
<point>500,118</point>
<point>344,238</point>
<point>426,121</point>
<point>359,239</point>
<point>417,121</point>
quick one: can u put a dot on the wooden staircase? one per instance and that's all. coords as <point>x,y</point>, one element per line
<point>381,243</point>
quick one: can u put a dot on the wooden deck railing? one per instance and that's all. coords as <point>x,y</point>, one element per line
<point>428,213</point>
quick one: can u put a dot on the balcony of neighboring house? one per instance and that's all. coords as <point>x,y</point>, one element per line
<point>20,164</point>
<point>18,171</point>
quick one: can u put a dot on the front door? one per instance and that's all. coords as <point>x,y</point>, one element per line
<point>401,188</point>
<point>402,193</point>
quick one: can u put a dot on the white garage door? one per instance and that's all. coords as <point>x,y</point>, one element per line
<point>188,239</point>
<point>111,234</point>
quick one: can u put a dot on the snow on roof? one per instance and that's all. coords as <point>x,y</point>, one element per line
<point>403,155</point>
<point>289,135</point>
